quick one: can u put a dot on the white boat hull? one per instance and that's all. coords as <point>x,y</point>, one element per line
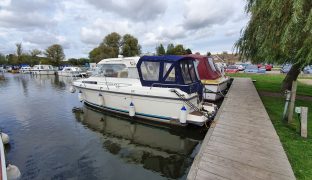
<point>166,109</point>
<point>42,72</point>
<point>215,91</point>
<point>69,74</point>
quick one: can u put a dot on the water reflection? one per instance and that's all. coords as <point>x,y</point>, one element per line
<point>160,150</point>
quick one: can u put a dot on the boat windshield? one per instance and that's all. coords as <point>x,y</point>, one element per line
<point>188,71</point>
<point>112,70</point>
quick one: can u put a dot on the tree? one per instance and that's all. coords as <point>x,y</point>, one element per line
<point>130,46</point>
<point>19,51</point>
<point>2,59</point>
<point>170,49</point>
<point>208,53</point>
<point>112,40</point>
<point>188,51</point>
<point>160,50</point>
<point>35,52</point>
<point>55,53</point>
<point>111,45</point>
<point>280,32</point>
<point>179,50</point>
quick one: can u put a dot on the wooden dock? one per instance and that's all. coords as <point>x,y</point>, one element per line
<point>242,142</point>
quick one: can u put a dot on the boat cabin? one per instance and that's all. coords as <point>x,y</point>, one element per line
<point>118,67</point>
<point>171,72</point>
<point>207,70</point>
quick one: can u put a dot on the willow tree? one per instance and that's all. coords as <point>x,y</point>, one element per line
<point>279,31</point>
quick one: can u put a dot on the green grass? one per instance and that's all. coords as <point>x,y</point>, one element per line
<point>273,83</point>
<point>298,149</point>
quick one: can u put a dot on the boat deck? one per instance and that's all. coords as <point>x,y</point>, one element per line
<point>242,142</point>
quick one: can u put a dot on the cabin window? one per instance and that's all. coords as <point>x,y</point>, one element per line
<point>150,70</point>
<point>211,64</point>
<point>112,70</point>
<point>185,72</point>
<point>171,76</point>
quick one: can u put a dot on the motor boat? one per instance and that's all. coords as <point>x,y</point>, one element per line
<point>157,88</point>
<point>71,72</point>
<point>213,78</point>
<point>42,69</point>
<point>25,69</point>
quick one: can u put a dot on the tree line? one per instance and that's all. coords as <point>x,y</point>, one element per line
<point>53,55</point>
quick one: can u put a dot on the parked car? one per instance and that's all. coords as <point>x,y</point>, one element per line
<point>231,69</point>
<point>285,68</point>
<point>268,67</point>
<point>307,70</point>
<point>240,67</point>
<point>254,69</point>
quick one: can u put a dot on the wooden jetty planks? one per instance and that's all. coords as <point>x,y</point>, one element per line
<point>242,143</point>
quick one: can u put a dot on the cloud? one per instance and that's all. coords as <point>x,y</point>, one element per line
<point>200,14</point>
<point>137,10</point>
<point>44,39</point>
<point>26,14</point>
<point>95,33</point>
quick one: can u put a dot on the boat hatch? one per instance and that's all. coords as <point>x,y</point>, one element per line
<point>169,71</point>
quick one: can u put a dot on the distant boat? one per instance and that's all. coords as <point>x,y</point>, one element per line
<point>158,88</point>
<point>42,69</point>
<point>25,69</point>
<point>214,81</point>
<point>71,72</point>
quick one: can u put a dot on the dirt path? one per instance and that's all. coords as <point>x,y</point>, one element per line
<point>275,94</point>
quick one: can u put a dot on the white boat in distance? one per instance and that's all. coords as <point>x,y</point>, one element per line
<point>25,70</point>
<point>159,88</point>
<point>71,72</point>
<point>42,69</point>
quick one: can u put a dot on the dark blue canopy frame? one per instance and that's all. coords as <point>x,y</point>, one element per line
<point>194,86</point>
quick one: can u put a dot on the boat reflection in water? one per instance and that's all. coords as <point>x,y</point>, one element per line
<point>169,152</point>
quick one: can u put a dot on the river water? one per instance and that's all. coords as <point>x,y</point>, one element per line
<point>49,141</point>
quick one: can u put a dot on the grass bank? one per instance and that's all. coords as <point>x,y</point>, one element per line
<point>273,83</point>
<point>298,149</point>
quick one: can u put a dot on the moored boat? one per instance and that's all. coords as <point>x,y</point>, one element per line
<point>42,69</point>
<point>167,90</point>
<point>214,81</point>
<point>25,69</point>
<point>71,72</point>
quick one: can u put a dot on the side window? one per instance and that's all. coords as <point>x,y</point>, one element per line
<point>150,70</point>
<point>185,72</point>
<point>211,64</point>
<point>113,70</point>
<point>171,76</point>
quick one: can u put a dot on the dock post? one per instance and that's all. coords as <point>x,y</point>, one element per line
<point>292,101</point>
<point>304,122</point>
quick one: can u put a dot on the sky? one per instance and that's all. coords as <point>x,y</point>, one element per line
<point>80,25</point>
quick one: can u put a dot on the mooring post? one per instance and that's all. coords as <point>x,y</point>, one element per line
<point>304,122</point>
<point>292,101</point>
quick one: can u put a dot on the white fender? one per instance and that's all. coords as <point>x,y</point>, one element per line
<point>80,96</point>
<point>13,173</point>
<point>72,89</point>
<point>101,99</point>
<point>183,114</point>
<point>131,110</point>
<point>5,138</point>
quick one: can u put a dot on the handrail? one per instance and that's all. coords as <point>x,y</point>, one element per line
<point>183,85</point>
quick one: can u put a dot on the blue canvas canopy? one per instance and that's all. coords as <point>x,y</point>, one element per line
<point>169,71</point>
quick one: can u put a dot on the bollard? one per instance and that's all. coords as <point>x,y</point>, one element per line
<point>304,122</point>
